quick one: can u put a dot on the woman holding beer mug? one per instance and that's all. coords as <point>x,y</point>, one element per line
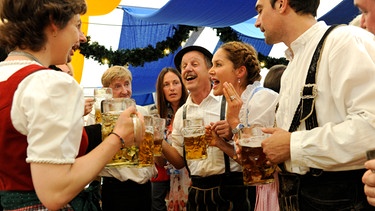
<point>42,161</point>
<point>236,74</point>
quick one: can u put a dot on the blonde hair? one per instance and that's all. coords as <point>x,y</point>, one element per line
<point>115,72</point>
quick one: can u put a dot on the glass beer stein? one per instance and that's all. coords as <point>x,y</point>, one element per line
<point>146,150</point>
<point>195,142</point>
<point>112,108</point>
<point>100,94</point>
<point>159,133</point>
<point>254,167</point>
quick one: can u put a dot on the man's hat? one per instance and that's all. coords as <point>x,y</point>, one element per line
<point>182,52</point>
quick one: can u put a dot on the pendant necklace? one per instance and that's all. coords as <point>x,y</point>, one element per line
<point>25,54</point>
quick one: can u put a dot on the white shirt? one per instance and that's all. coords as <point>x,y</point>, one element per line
<point>214,163</point>
<point>345,104</point>
<point>47,107</point>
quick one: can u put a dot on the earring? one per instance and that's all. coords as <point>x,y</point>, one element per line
<point>54,34</point>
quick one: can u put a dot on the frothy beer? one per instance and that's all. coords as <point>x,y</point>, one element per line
<point>159,134</point>
<point>157,147</point>
<point>98,116</point>
<point>253,160</point>
<point>195,147</point>
<point>125,156</point>
<point>100,94</point>
<point>255,169</point>
<point>146,152</point>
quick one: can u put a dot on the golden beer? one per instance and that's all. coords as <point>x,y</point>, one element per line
<point>146,151</point>
<point>100,94</point>
<point>98,116</point>
<point>195,147</point>
<point>159,134</point>
<point>125,156</point>
<point>253,160</point>
<point>157,147</point>
<point>254,167</point>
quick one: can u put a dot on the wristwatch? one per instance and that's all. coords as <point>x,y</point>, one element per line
<point>238,128</point>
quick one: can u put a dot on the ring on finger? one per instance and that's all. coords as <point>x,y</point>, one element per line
<point>232,97</point>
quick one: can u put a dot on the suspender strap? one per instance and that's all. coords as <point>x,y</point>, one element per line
<point>222,117</point>
<point>306,109</point>
<point>183,148</point>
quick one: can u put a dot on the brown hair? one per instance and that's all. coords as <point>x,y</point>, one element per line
<point>243,54</point>
<point>273,77</point>
<point>24,21</point>
<point>161,101</point>
<point>302,7</point>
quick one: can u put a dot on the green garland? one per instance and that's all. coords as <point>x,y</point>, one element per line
<point>227,34</point>
<point>139,56</point>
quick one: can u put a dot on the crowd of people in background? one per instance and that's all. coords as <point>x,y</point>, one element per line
<point>317,111</point>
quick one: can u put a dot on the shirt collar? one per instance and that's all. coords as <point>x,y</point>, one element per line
<point>305,38</point>
<point>210,96</point>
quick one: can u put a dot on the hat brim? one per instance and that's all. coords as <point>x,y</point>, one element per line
<point>182,52</point>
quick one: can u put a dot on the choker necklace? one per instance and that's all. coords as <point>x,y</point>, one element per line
<point>25,54</point>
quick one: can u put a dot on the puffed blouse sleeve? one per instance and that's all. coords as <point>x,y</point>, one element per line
<point>262,108</point>
<point>48,108</point>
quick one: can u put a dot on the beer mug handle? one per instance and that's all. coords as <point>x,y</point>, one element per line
<point>138,135</point>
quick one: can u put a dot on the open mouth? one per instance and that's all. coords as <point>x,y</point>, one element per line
<point>215,82</point>
<point>74,48</point>
<point>190,77</point>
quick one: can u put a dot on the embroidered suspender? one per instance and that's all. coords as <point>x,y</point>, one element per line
<point>306,107</point>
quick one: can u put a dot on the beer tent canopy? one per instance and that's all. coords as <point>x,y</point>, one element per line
<point>142,27</point>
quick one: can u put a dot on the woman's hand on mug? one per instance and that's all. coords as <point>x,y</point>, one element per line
<point>89,102</point>
<point>129,122</point>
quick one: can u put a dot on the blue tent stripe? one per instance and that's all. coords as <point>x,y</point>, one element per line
<point>214,13</point>
<point>137,33</point>
<point>343,13</point>
<point>146,26</point>
<point>145,99</point>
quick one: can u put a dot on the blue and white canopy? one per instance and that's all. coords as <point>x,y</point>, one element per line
<point>142,26</point>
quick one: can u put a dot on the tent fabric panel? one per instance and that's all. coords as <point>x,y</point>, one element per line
<point>214,13</point>
<point>343,13</point>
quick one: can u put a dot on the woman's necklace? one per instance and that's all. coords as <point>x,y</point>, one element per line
<point>25,54</point>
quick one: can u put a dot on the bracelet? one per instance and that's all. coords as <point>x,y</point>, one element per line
<point>238,128</point>
<point>118,136</point>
